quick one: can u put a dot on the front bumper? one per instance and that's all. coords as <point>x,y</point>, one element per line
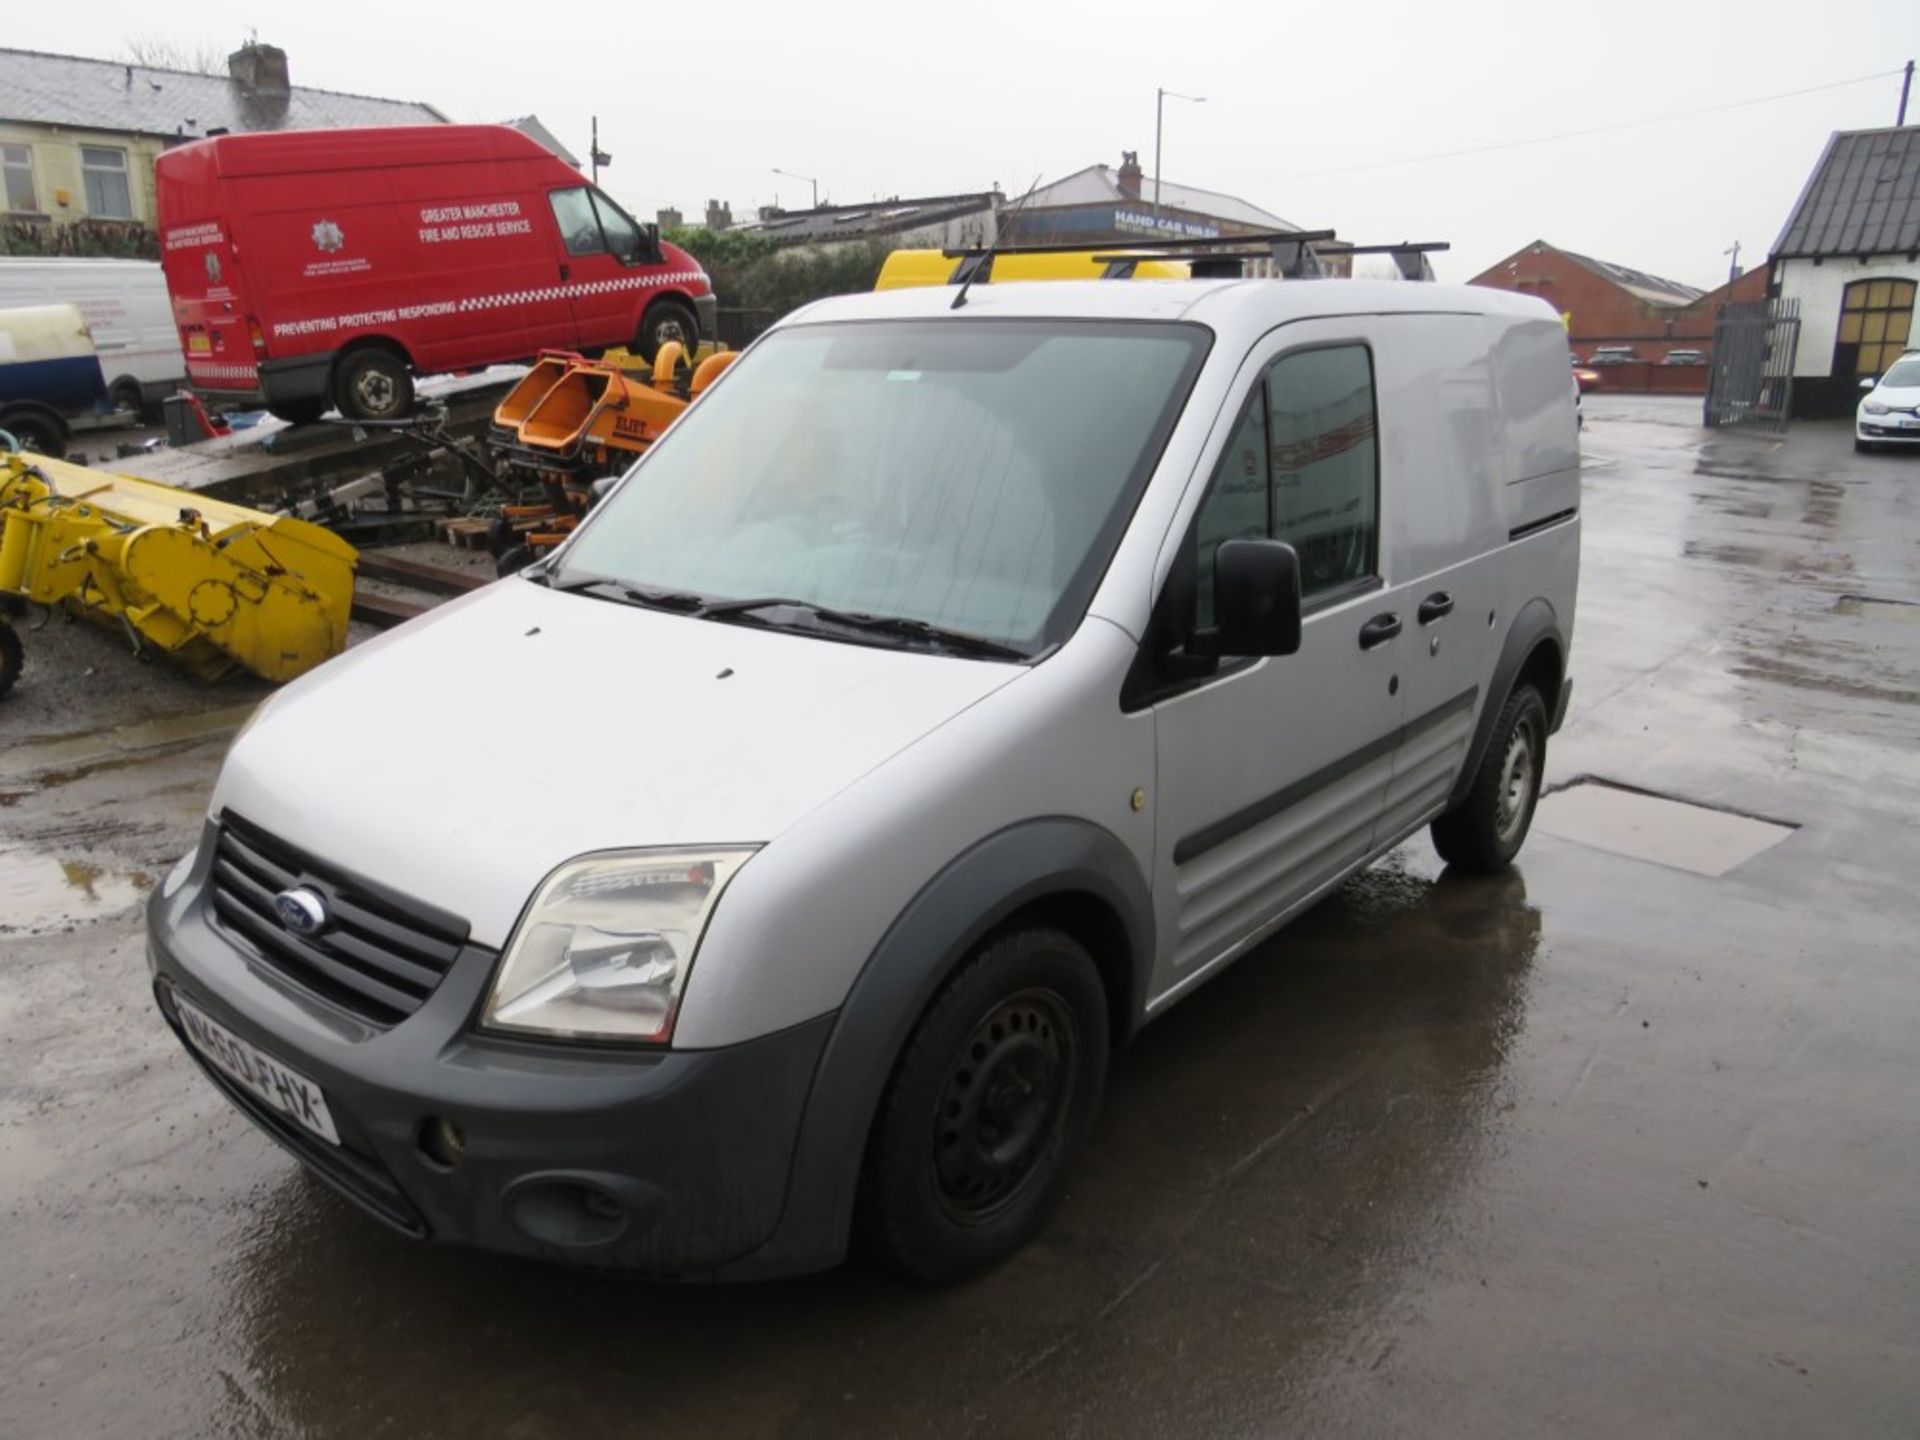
<point>671,1163</point>
<point>1881,432</point>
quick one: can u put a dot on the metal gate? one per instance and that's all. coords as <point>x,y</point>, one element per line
<point>1751,384</point>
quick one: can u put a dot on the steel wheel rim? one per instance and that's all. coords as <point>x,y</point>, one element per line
<point>1516,783</point>
<point>375,391</point>
<point>1003,1104</point>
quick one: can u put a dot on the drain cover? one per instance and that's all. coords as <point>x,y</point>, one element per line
<point>1654,828</point>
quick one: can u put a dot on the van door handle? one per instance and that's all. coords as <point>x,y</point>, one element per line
<point>1379,630</point>
<point>566,271</point>
<point>1434,606</point>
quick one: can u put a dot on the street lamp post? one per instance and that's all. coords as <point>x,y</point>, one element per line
<point>808,178</point>
<point>1159,104</point>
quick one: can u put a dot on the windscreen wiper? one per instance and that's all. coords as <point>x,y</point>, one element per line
<point>958,641</point>
<point>683,602</point>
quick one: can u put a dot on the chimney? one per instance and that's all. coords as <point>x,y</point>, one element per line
<point>261,72</point>
<point>670,218</point>
<point>1130,174</point>
<point>719,217</point>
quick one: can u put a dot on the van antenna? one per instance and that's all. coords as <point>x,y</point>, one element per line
<point>984,263</point>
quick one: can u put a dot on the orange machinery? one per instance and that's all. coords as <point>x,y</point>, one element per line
<point>573,422</point>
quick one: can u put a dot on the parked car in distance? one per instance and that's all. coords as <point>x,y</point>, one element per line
<point>1684,357</point>
<point>317,268</point>
<point>125,305</point>
<point>1889,413</point>
<point>49,374</point>
<point>1584,376</point>
<point>986,679</point>
<point>1613,355</point>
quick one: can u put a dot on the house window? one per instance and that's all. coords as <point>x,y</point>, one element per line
<point>105,174</point>
<point>16,171</point>
<point>1875,318</point>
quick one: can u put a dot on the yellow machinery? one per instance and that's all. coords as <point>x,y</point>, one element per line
<point>572,422</point>
<point>209,584</point>
<point>907,269</point>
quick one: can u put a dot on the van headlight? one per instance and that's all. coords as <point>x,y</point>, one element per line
<point>604,949</point>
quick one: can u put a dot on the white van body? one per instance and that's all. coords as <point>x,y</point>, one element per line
<point>125,305</point>
<point>901,806</point>
<point>49,375</point>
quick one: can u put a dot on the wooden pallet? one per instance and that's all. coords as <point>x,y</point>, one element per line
<point>466,534</point>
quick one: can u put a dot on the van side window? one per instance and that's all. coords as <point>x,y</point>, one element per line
<point>578,227</point>
<point>1302,466</point>
<point>623,236</point>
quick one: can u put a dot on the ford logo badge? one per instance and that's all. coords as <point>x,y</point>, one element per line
<point>301,911</point>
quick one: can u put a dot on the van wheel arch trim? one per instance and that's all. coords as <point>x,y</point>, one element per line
<point>1536,625</point>
<point>977,892</point>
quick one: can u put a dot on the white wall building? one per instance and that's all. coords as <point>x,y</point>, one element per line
<point>1850,257</point>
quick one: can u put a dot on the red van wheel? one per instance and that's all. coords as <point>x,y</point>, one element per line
<point>374,385</point>
<point>668,320</point>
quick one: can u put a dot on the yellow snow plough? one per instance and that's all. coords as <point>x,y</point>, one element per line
<point>208,584</point>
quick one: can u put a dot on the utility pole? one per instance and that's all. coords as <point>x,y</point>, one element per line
<point>1733,270</point>
<point>1906,85</point>
<point>1159,104</point>
<point>597,157</point>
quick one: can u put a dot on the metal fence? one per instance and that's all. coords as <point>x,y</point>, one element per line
<point>1751,385</point>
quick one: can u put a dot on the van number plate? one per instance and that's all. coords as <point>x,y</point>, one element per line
<point>287,1091</point>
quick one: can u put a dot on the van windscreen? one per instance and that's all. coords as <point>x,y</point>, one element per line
<point>973,475</point>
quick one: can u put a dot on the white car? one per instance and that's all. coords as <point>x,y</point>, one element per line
<point>960,689</point>
<point>1889,412</point>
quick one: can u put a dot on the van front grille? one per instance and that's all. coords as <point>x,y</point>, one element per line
<point>378,955</point>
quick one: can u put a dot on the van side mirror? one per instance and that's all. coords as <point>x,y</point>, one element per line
<point>1256,601</point>
<point>1868,383</point>
<point>651,234</point>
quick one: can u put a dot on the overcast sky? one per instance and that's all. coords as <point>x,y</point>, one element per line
<point>1309,107</point>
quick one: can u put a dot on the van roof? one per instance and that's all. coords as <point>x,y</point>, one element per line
<point>1256,305</point>
<point>280,152</point>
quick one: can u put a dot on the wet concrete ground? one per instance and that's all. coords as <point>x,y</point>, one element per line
<point>1599,1147</point>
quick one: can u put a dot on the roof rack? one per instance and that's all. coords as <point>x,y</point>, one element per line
<point>1289,254</point>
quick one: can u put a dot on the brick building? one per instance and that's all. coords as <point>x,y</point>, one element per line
<point>1609,304</point>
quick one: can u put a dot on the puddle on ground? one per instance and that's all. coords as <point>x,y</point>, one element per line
<point>1667,832</point>
<point>45,894</point>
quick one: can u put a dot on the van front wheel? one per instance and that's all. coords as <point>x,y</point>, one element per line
<point>1485,831</point>
<point>668,320</point>
<point>374,385</point>
<point>989,1102</point>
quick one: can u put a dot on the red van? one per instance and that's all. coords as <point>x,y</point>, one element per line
<point>312,268</point>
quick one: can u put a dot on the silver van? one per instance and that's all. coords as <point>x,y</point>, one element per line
<point>948,694</point>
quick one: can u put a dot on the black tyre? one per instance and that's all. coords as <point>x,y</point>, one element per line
<point>12,657</point>
<point>373,385</point>
<point>1863,447</point>
<point>298,412</point>
<point>986,1107</point>
<point>513,560</point>
<point>41,435</point>
<point>668,320</point>
<point>127,395</point>
<point>1486,830</point>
